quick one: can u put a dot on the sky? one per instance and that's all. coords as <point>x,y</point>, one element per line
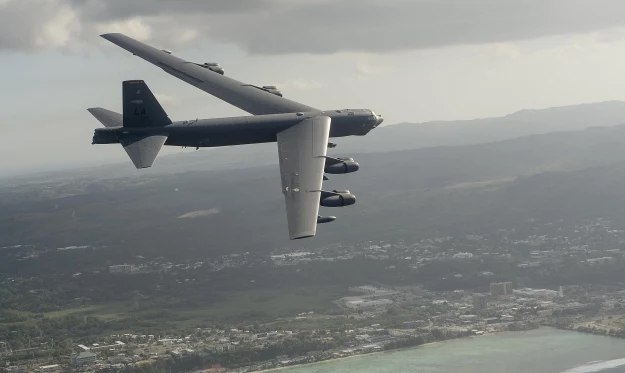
<point>409,60</point>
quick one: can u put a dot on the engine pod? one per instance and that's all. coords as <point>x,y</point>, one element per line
<point>337,199</point>
<point>343,166</point>
<point>325,219</point>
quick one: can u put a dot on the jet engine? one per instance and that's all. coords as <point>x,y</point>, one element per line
<point>325,219</point>
<point>213,66</point>
<point>340,165</point>
<point>337,198</point>
<point>272,89</point>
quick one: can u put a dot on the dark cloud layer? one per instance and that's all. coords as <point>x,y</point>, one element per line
<point>318,26</point>
<point>373,25</point>
<point>106,10</point>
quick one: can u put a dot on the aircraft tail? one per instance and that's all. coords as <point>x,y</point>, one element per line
<point>141,109</point>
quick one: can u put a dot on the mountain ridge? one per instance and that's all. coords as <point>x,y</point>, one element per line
<point>401,136</point>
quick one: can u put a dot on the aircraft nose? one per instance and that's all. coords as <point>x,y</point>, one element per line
<point>379,121</point>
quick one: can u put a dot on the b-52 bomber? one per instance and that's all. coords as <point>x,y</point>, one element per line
<point>301,132</point>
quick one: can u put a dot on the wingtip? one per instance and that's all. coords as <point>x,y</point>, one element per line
<point>111,36</point>
<point>301,235</point>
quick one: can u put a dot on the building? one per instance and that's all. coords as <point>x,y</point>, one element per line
<point>507,318</point>
<point>604,260</point>
<point>501,288</point>
<point>468,317</point>
<point>508,288</point>
<point>4,349</point>
<point>463,256</point>
<point>537,293</point>
<point>496,288</point>
<point>479,302</point>
<point>122,268</point>
<point>368,289</point>
<point>167,341</point>
<point>83,358</point>
<point>50,368</point>
<point>414,324</point>
<point>368,304</point>
<point>228,347</point>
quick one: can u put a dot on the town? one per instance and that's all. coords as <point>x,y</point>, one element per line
<point>468,286</point>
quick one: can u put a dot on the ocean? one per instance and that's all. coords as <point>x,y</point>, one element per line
<point>544,350</point>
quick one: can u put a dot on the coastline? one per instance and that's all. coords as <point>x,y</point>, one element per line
<point>475,354</point>
<point>331,360</point>
<point>425,345</point>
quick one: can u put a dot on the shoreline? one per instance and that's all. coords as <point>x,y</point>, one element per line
<point>429,344</point>
<point>586,362</point>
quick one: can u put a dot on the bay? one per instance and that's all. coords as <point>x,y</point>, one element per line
<point>543,350</point>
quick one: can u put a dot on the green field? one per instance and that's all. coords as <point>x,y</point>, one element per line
<point>232,309</point>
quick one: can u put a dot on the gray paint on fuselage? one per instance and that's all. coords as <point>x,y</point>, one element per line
<point>243,130</point>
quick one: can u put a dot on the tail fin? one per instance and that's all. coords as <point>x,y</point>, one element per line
<point>106,117</point>
<point>141,109</point>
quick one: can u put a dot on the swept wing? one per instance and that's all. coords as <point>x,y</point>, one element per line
<point>302,150</point>
<point>249,98</point>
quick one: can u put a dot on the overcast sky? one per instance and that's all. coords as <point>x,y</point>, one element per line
<point>410,60</point>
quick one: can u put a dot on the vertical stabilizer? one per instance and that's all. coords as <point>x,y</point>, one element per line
<point>141,109</point>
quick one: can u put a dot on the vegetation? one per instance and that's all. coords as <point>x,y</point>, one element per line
<point>59,235</point>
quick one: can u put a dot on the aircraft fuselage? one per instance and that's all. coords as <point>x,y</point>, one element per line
<point>243,130</point>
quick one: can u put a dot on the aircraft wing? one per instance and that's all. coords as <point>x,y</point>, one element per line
<point>247,97</point>
<point>302,150</point>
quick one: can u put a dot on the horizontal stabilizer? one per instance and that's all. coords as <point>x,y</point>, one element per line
<point>106,117</point>
<point>143,150</point>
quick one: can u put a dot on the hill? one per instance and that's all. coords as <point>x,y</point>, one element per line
<point>403,136</point>
<point>401,195</point>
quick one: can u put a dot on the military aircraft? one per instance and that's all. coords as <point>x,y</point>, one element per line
<point>301,132</point>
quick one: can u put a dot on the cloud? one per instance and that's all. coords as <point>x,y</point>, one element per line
<point>166,100</point>
<point>134,27</point>
<point>37,24</point>
<point>199,214</point>
<point>367,69</point>
<point>304,26</point>
<point>301,84</point>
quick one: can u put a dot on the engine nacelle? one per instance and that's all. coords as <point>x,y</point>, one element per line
<point>214,67</point>
<point>337,198</point>
<point>341,165</point>
<point>325,219</point>
<point>272,89</point>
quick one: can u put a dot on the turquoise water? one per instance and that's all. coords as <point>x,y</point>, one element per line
<point>537,351</point>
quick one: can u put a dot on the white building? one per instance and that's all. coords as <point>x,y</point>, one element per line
<point>604,260</point>
<point>167,341</point>
<point>463,256</point>
<point>122,268</point>
<point>368,289</point>
<point>536,293</point>
<point>50,368</point>
<point>83,358</point>
<point>364,304</point>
